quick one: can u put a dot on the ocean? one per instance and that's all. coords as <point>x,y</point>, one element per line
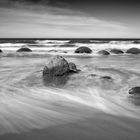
<point>82,106</point>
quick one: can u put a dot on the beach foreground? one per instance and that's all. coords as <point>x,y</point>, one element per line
<point>86,105</point>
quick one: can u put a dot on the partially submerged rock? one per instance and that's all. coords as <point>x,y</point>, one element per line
<point>57,66</point>
<point>83,50</point>
<point>135,91</point>
<point>133,51</point>
<point>72,67</point>
<point>116,51</point>
<point>1,51</point>
<point>103,52</point>
<point>106,77</point>
<point>24,49</point>
<point>57,70</point>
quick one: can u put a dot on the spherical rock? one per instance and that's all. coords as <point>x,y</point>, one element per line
<point>83,50</point>
<point>103,52</point>
<point>116,51</point>
<point>133,51</point>
<point>135,91</point>
<point>57,66</point>
<point>24,49</point>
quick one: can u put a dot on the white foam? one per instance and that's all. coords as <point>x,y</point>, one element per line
<point>12,44</point>
<point>52,41</point>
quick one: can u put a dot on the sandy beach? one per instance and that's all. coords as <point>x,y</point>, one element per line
<point>84,106</point>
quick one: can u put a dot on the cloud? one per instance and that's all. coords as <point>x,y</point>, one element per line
<point>33,20</point>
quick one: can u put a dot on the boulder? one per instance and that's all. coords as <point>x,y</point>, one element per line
<point>116,51</point>
<point>24,49</point>
<point>72,67</point>
<point>83,50</point>
<point>133,51</point>
<point>135,91</point>
<point>57,66</point>
<point>1,51</point>
<point>103,52</point>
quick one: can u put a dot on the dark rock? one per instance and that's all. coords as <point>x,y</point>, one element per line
<point>1,51</point>
<point>136,42</point>
<point>57,66</point>
<point>24,49</point>
<point>133,51</point>
<point>116,51</point>
<point>72,67</point>
<point>83,50</point>
<point>106,77</point>
<point>103,52</point>
<point>56,72</point>
<point>135,91</point>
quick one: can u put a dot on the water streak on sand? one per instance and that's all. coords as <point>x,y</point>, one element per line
<point>26,103</point>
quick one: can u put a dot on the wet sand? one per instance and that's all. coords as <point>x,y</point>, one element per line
<point>100,126</point>
<point>83,107</point>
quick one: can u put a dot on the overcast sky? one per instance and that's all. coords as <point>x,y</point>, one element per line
<point>69,18</point>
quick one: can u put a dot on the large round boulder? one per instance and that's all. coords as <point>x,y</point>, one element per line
<point>83,50</point>
<point>24,49</point>
<point>57,66</point>
<point>103,52</point>
<point>1,51</point>
<point>135,91</point>
<point>133,51</point>
<point>116,51</point>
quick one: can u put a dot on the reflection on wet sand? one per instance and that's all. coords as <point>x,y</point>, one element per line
<point>91,104</point>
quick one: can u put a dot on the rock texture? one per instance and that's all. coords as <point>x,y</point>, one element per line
<point>116,51</point>
<point>83,50</point>
<point>57,71</point>
<point>24,49</point>
<point>106,77</point>
<point>133,51</point>
<point>103,52</point>
<point>57,66</point>
<point>72,67</point>
<point>135,91</point>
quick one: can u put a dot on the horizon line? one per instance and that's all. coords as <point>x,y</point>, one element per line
<point>66,38</point>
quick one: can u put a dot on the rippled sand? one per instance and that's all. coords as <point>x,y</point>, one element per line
<point>83,106</point>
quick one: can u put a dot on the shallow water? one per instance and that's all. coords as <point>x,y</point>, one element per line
<point>83,102</point>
